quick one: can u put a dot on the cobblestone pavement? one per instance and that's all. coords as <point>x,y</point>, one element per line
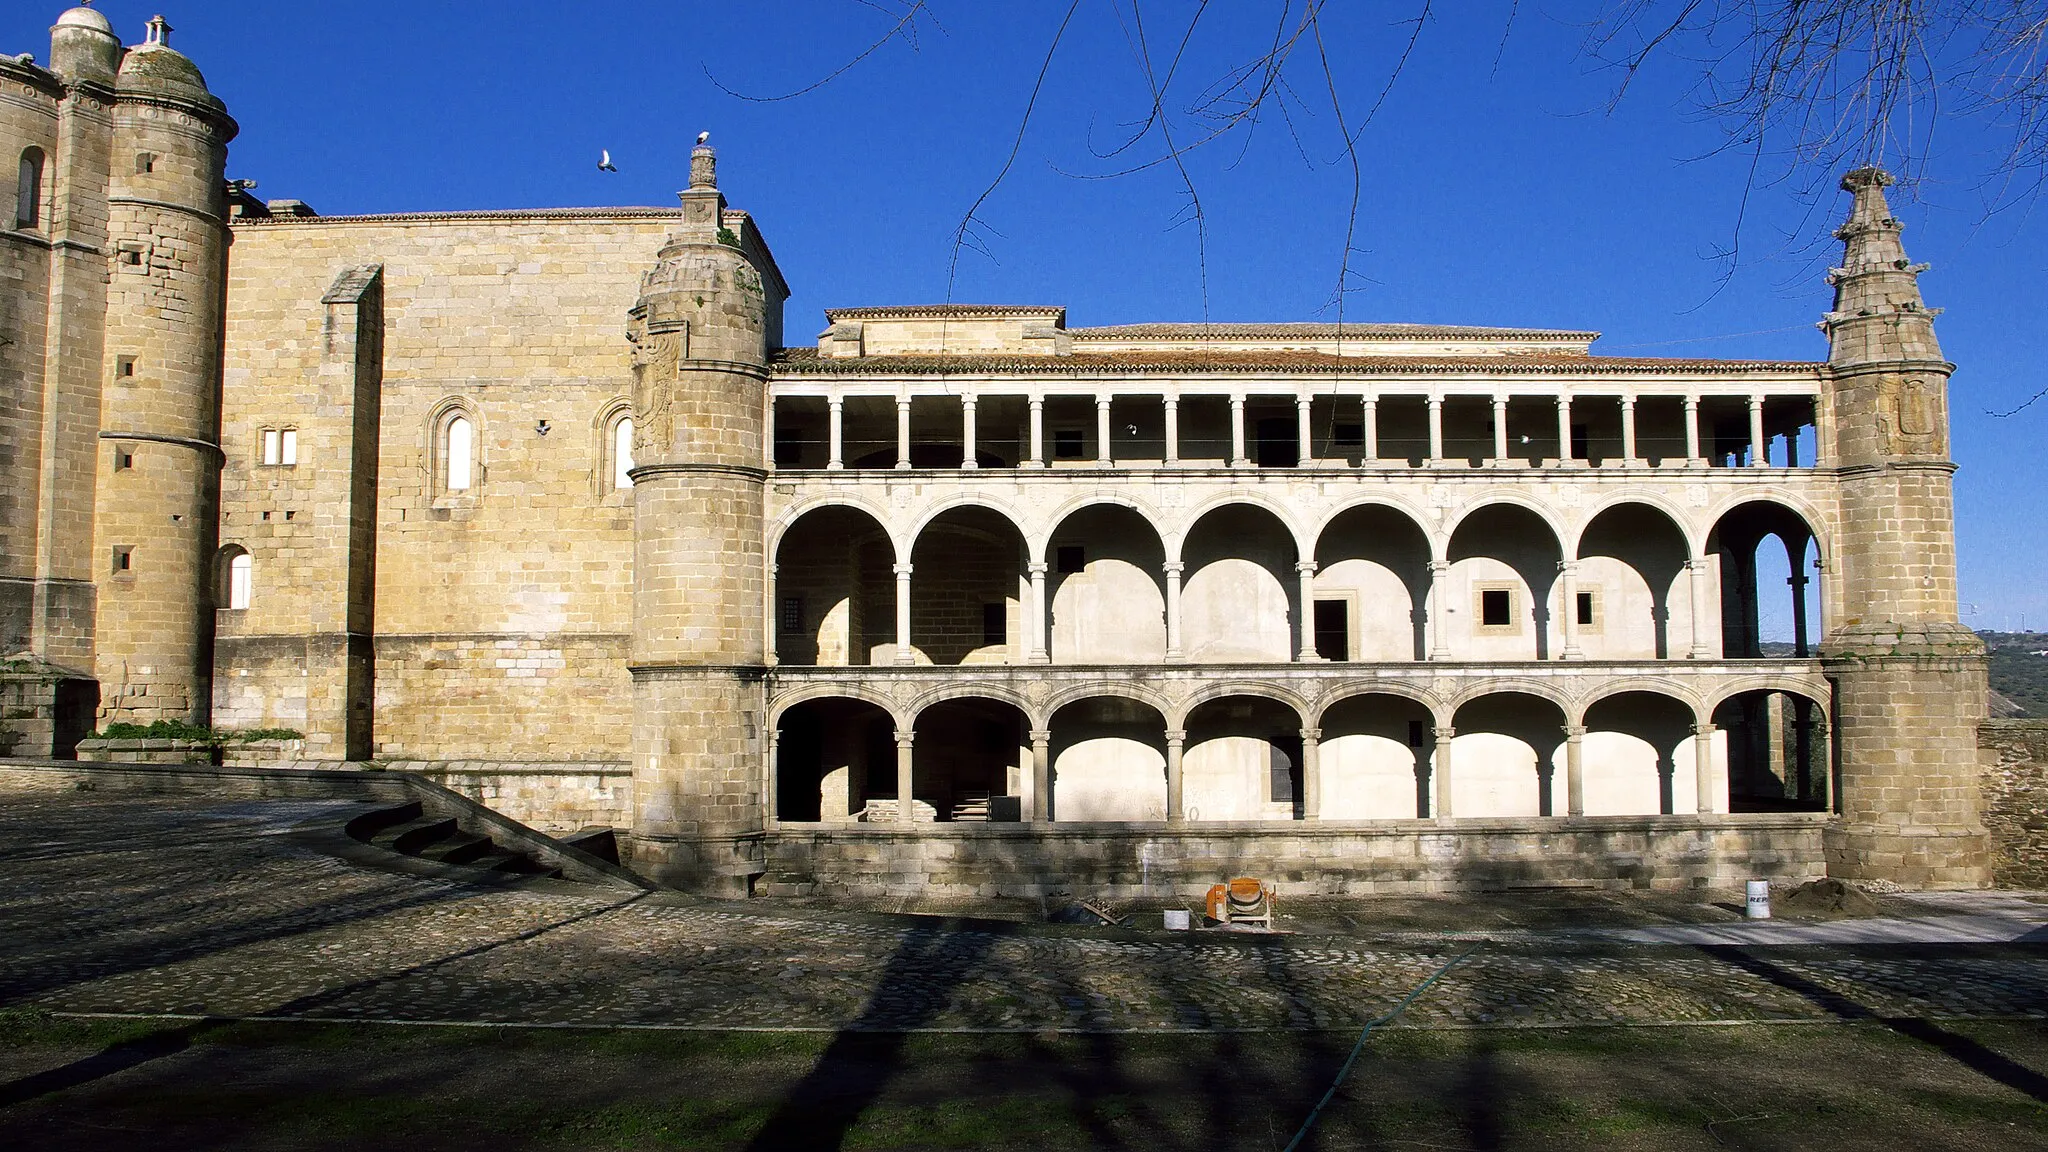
<point>178,905</point>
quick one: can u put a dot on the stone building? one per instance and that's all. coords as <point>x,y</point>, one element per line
<point>961,598</point>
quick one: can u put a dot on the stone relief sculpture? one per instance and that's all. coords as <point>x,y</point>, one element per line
<point>657,354</point>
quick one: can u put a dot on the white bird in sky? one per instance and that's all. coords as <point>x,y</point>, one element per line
<point>703,136</point>
<point>604,160</point>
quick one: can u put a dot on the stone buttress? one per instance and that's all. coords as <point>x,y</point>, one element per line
<point>1909,678</point>
<point>701,333</point>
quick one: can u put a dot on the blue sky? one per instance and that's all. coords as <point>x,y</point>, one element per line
<point>1496,187</point>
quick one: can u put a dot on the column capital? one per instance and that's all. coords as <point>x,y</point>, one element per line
<point>1305,567</point>
<point>1439,568</point>
<point>1304,401</point>
<point>969,399</point>
<point>1370,400</point>
<point>1176,736</point>
<point>1444,733</point>
<point>1628,401</point>
<point>1568,567</point>
<point>1035,402</point>
<point>903,571</point>
<point>1696,563</point>
<point>902,403</point>
<point>1499,401</point>
<point>1704,729</point>
<point>906,739</point>
<point>1173,568</point>
<point>1436,402</point>
<point>1312,734</point>
<point>1041,735</point>
<point>1692,403</point>
<point>1037,568</point>
<point>1574,731</point>
<point>1755,403</point>
<point>1170,401</point>
<point>835,401</point>
<point>1101,402</point>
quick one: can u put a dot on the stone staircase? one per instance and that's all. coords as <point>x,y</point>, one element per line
<point>409,830</point>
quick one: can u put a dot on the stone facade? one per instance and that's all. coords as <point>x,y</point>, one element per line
<point>2015,799</point>
<point>961,597</point>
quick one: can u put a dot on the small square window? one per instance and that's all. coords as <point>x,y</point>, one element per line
<point>290,514</point>
<point>1070,558</point>
<point>266,517</point>
<point>124,558</point>
<point>145,163</point>
<point>124,367</point>
<point>131,257</point>
<point>995,626</point>
<point>1067,443</point>
<point>792,619</point>
<point>1333,629</point>
<point>1586,613</point>
<point>1496,608</point>
<point>123,460</point>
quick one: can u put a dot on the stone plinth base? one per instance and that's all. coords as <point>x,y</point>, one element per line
<point>1933,858</point>
<point>723,866</point>
<point>1128,861</point>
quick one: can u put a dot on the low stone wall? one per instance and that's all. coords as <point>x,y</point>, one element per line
<point>1128,861</point>
<point>2015,776</point>
<point>148,750</point>
<point>553,797</point>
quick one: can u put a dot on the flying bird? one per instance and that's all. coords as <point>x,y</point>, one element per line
<point>703,136</point>
<point>604,160</point>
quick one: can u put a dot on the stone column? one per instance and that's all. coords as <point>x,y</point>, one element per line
<point>1176,743</point>
<point>1500,431</point>
<point>1034,629</point>
<point>903,432</point>
<point>1564,429</point>
<point>1172,431</point>
<point>1237,456</point>
<point>1791,450</point>
<point>1568,609</point>
<point>903,655</point>
<point>1574,770</point>
<point>769,619</point>
<point>1708,786</point>
<point>836,451</point>
<point>1041,776</point>
<point>1173,569</point>
<point>1037,459</point>
<point>1692,432</point>
<point>967,459</point>
<point>1697,572</point>
<point>905,803</point>
<point>1440,774</point>
<point>1372,430</point>
<point>1311,774</point>
<point>1436,430</point>
<point>1305,572</point>
<point>1105,455</point>
<point>1797,582</point>
<point>1303,432</point>
<point>1439,579</point>
<point>1628,431</point>
<point>1759,454</point>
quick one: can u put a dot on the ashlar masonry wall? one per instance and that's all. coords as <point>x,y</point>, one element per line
<point>497,618</point>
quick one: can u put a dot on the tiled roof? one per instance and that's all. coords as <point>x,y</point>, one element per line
<point>1362,331</point>
<point>891,311</point>
<point>507,215</point>
<point>807,362</point>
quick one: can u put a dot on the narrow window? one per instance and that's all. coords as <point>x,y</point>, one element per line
<point>994,626</point>
<point>1066,443</point>
<point>1280,774</point>
<point>124,366</point>
<point>241,580</point>
<point>288,447</point>
<point>270,445</point>
<point>1495,608</point>
<point>1586,608</point>
<point>622,453</point>
<point>124,558</point>
<point>131,257</point>
<point>28,203</point>
<point>458,448</point>
<point>123,460</point>
<point>792,621</point>
<point>1333,629</point>
<point>145,163</point>
<point>1070,558</point>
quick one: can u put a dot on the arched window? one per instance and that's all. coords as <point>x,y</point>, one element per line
<point>236,580</point>
<point>458,451</point>
<point>622,453</point>
<point>28,200</point>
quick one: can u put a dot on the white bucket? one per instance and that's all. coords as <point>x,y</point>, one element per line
<point>1759,904</point>
<point>1176,919</point>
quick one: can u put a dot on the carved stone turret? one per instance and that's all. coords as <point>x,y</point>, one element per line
<point>1910,679</point>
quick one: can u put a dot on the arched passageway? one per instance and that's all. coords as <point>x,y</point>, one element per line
<point>1504,759</point>
<point>1105,589</point>
<point>1375,757</point>
<point>833,758</point>
<point>1638,757</point>
<point>967,589</point>
<point>835,590</point>
<point>1238,603</point>
<point>1769,600</point>
<point>1631,597</point>
<point>1777,751</point>
<point>1242,761</point>
<point>1108,760</point>
<point>1372,580</point>
<point>1503,566</point>
<point>968,754</point>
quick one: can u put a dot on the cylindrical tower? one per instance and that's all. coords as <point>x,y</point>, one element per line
<point>159,461</point>
<point>1909,678</point>
<point>700,334</point>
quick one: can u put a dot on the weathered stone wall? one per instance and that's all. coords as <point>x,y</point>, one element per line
<point>497,696</point>
<point>2015,776</point>
<point>1123,861</point>
<point>553,797</point>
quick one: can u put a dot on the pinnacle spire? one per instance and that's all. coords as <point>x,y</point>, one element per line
<point>1878,312</point>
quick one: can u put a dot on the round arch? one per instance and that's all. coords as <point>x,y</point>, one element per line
<point>994,693</point>
<point>1395,504</point>
<point>1440,714</point>
<point>906,542</point>
<point>1815,691</point>
<point>1224,689</point>
<point>1510,685</point>
<point>1176,539</point>
<point>1653,685</point>
<point>1681,523</point>
<point>812,693</point>
<point>796,512</point>
<point>1802,509</point>
<point>1496,498</point>
<point>1050,525</point>
<point>1639,753</point>
<point>1123,690</point>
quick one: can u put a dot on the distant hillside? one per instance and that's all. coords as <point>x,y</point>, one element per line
<point>2019,672</point>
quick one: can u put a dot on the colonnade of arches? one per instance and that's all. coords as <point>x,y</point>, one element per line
<point>1239,584</point>
<point>1236,755</point>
